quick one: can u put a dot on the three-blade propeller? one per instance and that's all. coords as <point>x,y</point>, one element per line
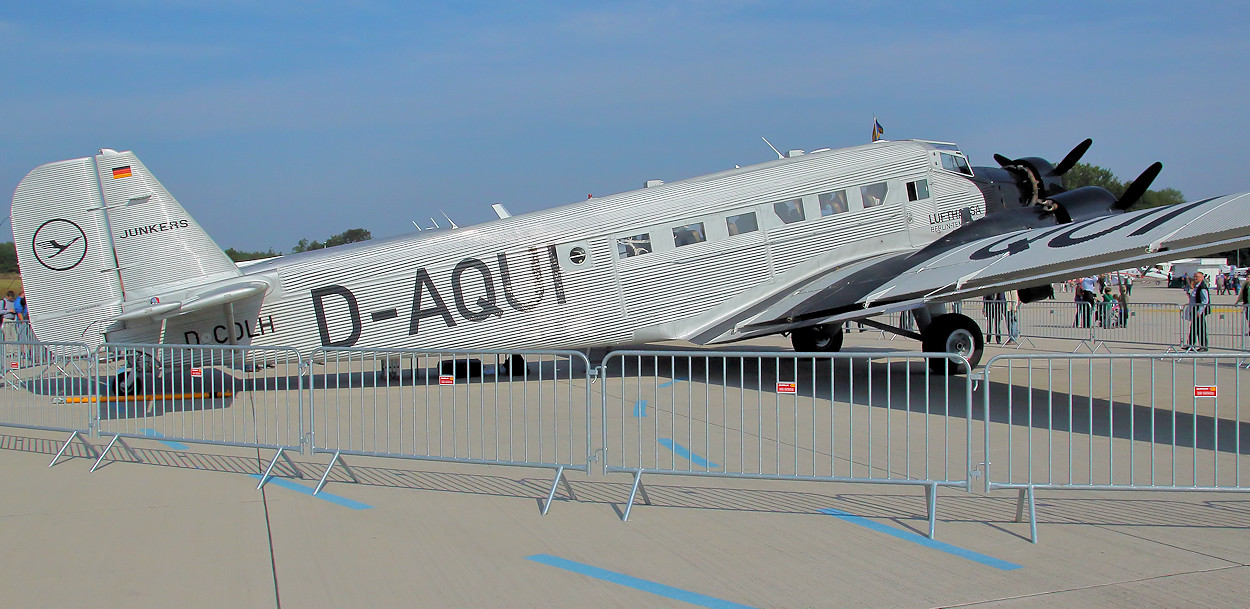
<point>1047,177</point>
<point>1138,187</point>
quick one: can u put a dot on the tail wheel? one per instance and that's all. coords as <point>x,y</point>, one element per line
<point>825,339</point>
<point>957,334</point>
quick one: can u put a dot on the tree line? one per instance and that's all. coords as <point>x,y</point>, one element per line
<point>351,235</point>
<point>1084,174</point>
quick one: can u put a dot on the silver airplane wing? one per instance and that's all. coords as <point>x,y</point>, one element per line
<point>1014,260</point>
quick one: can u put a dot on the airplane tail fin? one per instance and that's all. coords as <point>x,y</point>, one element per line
<point>98,236</point>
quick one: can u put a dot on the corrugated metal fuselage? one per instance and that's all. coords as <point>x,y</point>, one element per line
<point>652,264</point>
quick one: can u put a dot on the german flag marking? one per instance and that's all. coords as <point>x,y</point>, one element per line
<point>121,172</point>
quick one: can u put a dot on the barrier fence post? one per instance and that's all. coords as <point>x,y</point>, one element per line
<point>1065,422</point>
<point>516,408</point>
<point>879,418</point>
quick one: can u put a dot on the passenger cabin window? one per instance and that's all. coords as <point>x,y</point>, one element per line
<point>790,211</point>
<point>689,234</point>
<point>637,245</point>
<point>742,223</point>
<point>956,164</point>
<point>917,190</point>
<point>873,194</point>
<point>833,203</point>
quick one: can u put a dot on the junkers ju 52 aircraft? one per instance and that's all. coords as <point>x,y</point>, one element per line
<point>797,245</point>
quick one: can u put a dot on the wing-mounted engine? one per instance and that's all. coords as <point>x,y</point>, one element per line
<point>1091,201</point>
<point>1062,207</point>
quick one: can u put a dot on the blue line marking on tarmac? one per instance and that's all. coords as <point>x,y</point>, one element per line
<point>663,385</point>
<point>640,408</point>
<point>686,596</point>
<point>684,453</point>
<point>997,563</point>
<point>152,433</point>
<point>343,501</point>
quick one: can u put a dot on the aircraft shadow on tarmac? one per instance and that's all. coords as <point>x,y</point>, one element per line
<point>901,506</point>
<point>154,395</point>
<point>899,383</point>
<point>885,382</point>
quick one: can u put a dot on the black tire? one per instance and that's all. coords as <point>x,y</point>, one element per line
<point>953,333</point>
<point>512,365</point>
<point>127,383</point>
<point>817,339</point>
<point>461,368</point>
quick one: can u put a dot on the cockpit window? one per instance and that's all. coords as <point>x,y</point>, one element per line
<point>873,194</point>
<point>742,223</point>
<point>833,203</point>
<point>689,234</point>
<point>637,245</point>
<point>956,164</point>
<point>790,211</point>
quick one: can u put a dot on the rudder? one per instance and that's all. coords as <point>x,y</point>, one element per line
<point>98,236</point>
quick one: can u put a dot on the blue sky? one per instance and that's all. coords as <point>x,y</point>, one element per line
<point>273,121</point>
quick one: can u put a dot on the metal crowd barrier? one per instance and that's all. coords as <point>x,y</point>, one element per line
<point>1064,422</point>
<point>1101,325</point>
<point>1054,320</point>
<point>883,418</point>
<point>1223,327</point>
<point>218,394</point>
<point>42,382</point>
<point>521,408</point>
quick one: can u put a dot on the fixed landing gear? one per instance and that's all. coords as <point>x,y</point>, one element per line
<point>953,333</point>
<point>827,339</point>
<point>512,364</point>
<point>127,382</point>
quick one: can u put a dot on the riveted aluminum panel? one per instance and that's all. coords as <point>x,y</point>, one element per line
<point>159,245</point>
<point>62,247</point>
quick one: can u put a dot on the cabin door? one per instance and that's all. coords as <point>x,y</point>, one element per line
<point>921,210</point>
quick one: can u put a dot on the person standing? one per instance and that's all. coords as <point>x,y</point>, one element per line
<point>8,316</point>
<point>994,311</point>
<point>1122,297</point>
<point>1106,308</point>
<point>1013,317</point>
<point>24,333</point>
<point>1243,299</point>
<point>1088,297</point>
<point>1199,306</point>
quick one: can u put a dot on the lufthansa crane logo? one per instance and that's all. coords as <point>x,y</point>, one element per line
<point>59,245</point>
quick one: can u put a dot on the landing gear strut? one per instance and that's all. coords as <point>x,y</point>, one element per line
<point>953,333</point>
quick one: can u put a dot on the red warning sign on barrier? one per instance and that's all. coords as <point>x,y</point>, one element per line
<point>446,379</point>
<point>787,387</point>
<point>1205,391</point>
<point>197,372</point>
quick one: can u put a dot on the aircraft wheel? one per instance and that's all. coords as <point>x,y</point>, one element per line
<point>461,368</point>
<point>512,365</point>
<point>127,383</point>
<point>953,333</point>
<point>827,339</point>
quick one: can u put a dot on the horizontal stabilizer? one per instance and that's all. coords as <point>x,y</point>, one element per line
<point>216,296</point>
